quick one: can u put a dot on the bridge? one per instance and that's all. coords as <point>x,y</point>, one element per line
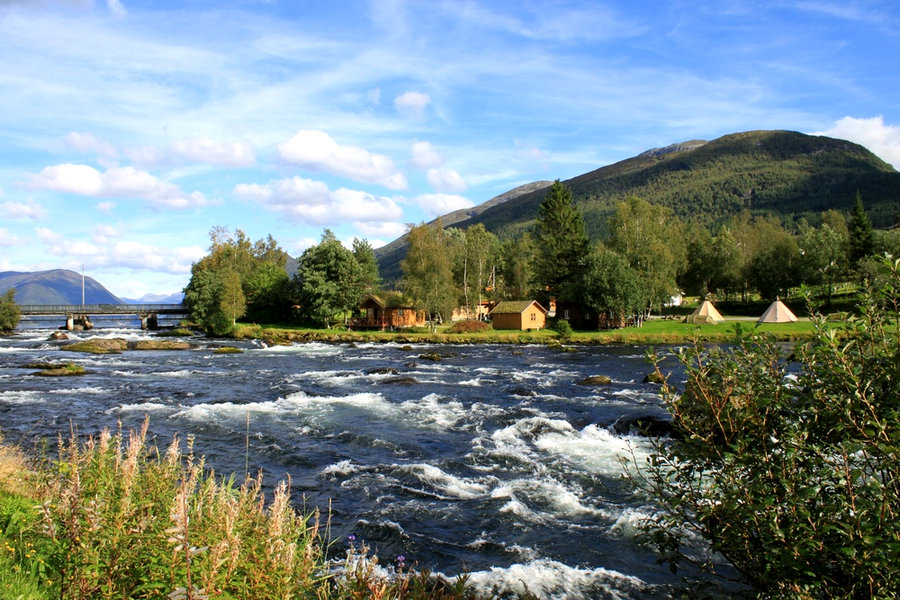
<point>78,316</point>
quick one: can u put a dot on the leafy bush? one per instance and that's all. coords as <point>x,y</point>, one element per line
<point>468,326</point>
<point>563,328</point>
<point>9,311</point>
<point>790,470</point>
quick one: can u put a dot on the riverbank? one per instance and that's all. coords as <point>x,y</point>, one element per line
<point>655,331</point>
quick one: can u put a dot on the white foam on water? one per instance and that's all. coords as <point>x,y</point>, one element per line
<point>21,397</point>
<point>343,467</point>
<point>308,348</point>
<point>547,579</point>
<point>81,391</point>
<point>628,523</point>
<point>542,500</point>
<point>450,485</point>
<point>471,382</point>
<point>595,449</point>
<point>140,407</point>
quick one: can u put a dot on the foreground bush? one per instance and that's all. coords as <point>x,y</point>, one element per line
<point>790,470</point>
<point>115,518</point>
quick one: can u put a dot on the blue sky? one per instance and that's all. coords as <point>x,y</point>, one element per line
<point>129,129</point>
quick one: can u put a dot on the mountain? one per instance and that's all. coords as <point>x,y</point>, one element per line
<point>783,173</point>
<point>175,298</point>
<point>59,286</point>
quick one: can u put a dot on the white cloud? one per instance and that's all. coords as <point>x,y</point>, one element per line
<point>379,231</point>
<point>316,150</point>
<point>883,140</point>
<point>90,144</point>
<point>117,182</point>
<point>116,9</point>
<point>105,207</point>
<point>20,210</point>
<point>412,104</point>
<point>307,201</point>
<point>424,156</point>
<point>200,150</point>
<point>446,180</point>
<point>103,252</point>
<point>7,238</point>
<point>103,234</point>
<point>436,205</point>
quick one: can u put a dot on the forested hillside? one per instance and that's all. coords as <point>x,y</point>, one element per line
<point>782,173</point>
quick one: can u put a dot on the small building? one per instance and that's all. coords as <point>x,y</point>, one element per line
<point>519,314</point>
<point>391,313</point>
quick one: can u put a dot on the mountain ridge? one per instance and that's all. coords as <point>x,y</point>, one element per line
<point>56,286</point>
<point>784,173</point>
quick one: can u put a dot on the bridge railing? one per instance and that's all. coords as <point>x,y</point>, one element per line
<point>101,309</point>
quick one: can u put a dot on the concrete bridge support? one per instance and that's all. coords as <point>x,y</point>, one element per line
<point>76,322</point>
<point>150,321</point>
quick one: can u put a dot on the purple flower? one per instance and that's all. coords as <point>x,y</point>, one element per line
<point>351,538</point>
<point>401,559</point>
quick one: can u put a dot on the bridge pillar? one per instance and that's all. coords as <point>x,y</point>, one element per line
<point>70,322</point>
<point>149,321</point>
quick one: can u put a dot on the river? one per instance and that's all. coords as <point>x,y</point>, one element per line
<point>492,461</point>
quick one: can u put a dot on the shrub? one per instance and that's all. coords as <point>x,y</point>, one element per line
<point>791,471</point>
<point>468,326</point>
<point>563,328</point>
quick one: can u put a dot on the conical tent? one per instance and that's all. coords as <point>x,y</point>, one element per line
<point>705,313</point>
<point>777,313</point>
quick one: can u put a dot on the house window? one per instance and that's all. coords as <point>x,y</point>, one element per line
<point>400,312</point>
<point>566,314</point>
<point>533,317</point>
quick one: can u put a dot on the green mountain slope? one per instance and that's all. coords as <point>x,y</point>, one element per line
<point>784,173</point>
<point>58,286</point>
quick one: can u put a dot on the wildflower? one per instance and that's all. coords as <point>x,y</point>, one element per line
<point>401,559</point>
<point>351,538</point>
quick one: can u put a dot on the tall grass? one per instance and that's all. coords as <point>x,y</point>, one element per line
<point>115,517</point>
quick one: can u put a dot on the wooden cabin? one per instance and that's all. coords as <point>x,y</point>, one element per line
<point>519,314</point>
<point>375,313</point>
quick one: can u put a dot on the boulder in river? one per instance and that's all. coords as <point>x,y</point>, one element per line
<point>401,380</point>
<point>646,425</point>
<point>595,380</point>
<point>382,371</point>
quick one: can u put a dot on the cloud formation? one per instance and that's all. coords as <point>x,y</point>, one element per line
<point>412,104</point>
<point>196,150</point>
<point>883,140</point>
<point>446,180</point>
<point>435,205</point>
<point>117,182</point>
<point>306,201</point>
<point>317,151</point>
<point>22,210</point>
<point>425,156</point>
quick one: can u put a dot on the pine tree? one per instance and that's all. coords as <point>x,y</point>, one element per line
<point>562,245</point>
<point>862,238</point>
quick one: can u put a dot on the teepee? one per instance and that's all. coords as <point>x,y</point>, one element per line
<point>777,313</point>
<point>705,313</point>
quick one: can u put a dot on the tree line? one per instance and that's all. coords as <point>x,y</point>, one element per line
<point>647,255</point>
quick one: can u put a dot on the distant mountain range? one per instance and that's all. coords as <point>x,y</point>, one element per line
<point>783,173</point>
<point>61,286</point>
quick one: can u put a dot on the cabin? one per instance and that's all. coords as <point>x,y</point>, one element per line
<point>519,314</point>
<point>391,313</point>
<point>479,312</point>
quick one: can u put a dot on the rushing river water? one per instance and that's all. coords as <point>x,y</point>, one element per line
<point>492,460</point>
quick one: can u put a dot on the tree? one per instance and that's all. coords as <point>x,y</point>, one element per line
<point>268,293</point>
<point>562,246</point>
<point>791,471</point>
<point>428,272</point>
<point>204,296</point>
<point>477,246</point>
<point>514,273</point>
<point>823,257</point>
<point>612,286</point>
<point>651,239</point>
<point>365,258</point>
<point>774,269</point>
<point>862,239</point>
<point>328,281</point>
<point>9,311</point>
